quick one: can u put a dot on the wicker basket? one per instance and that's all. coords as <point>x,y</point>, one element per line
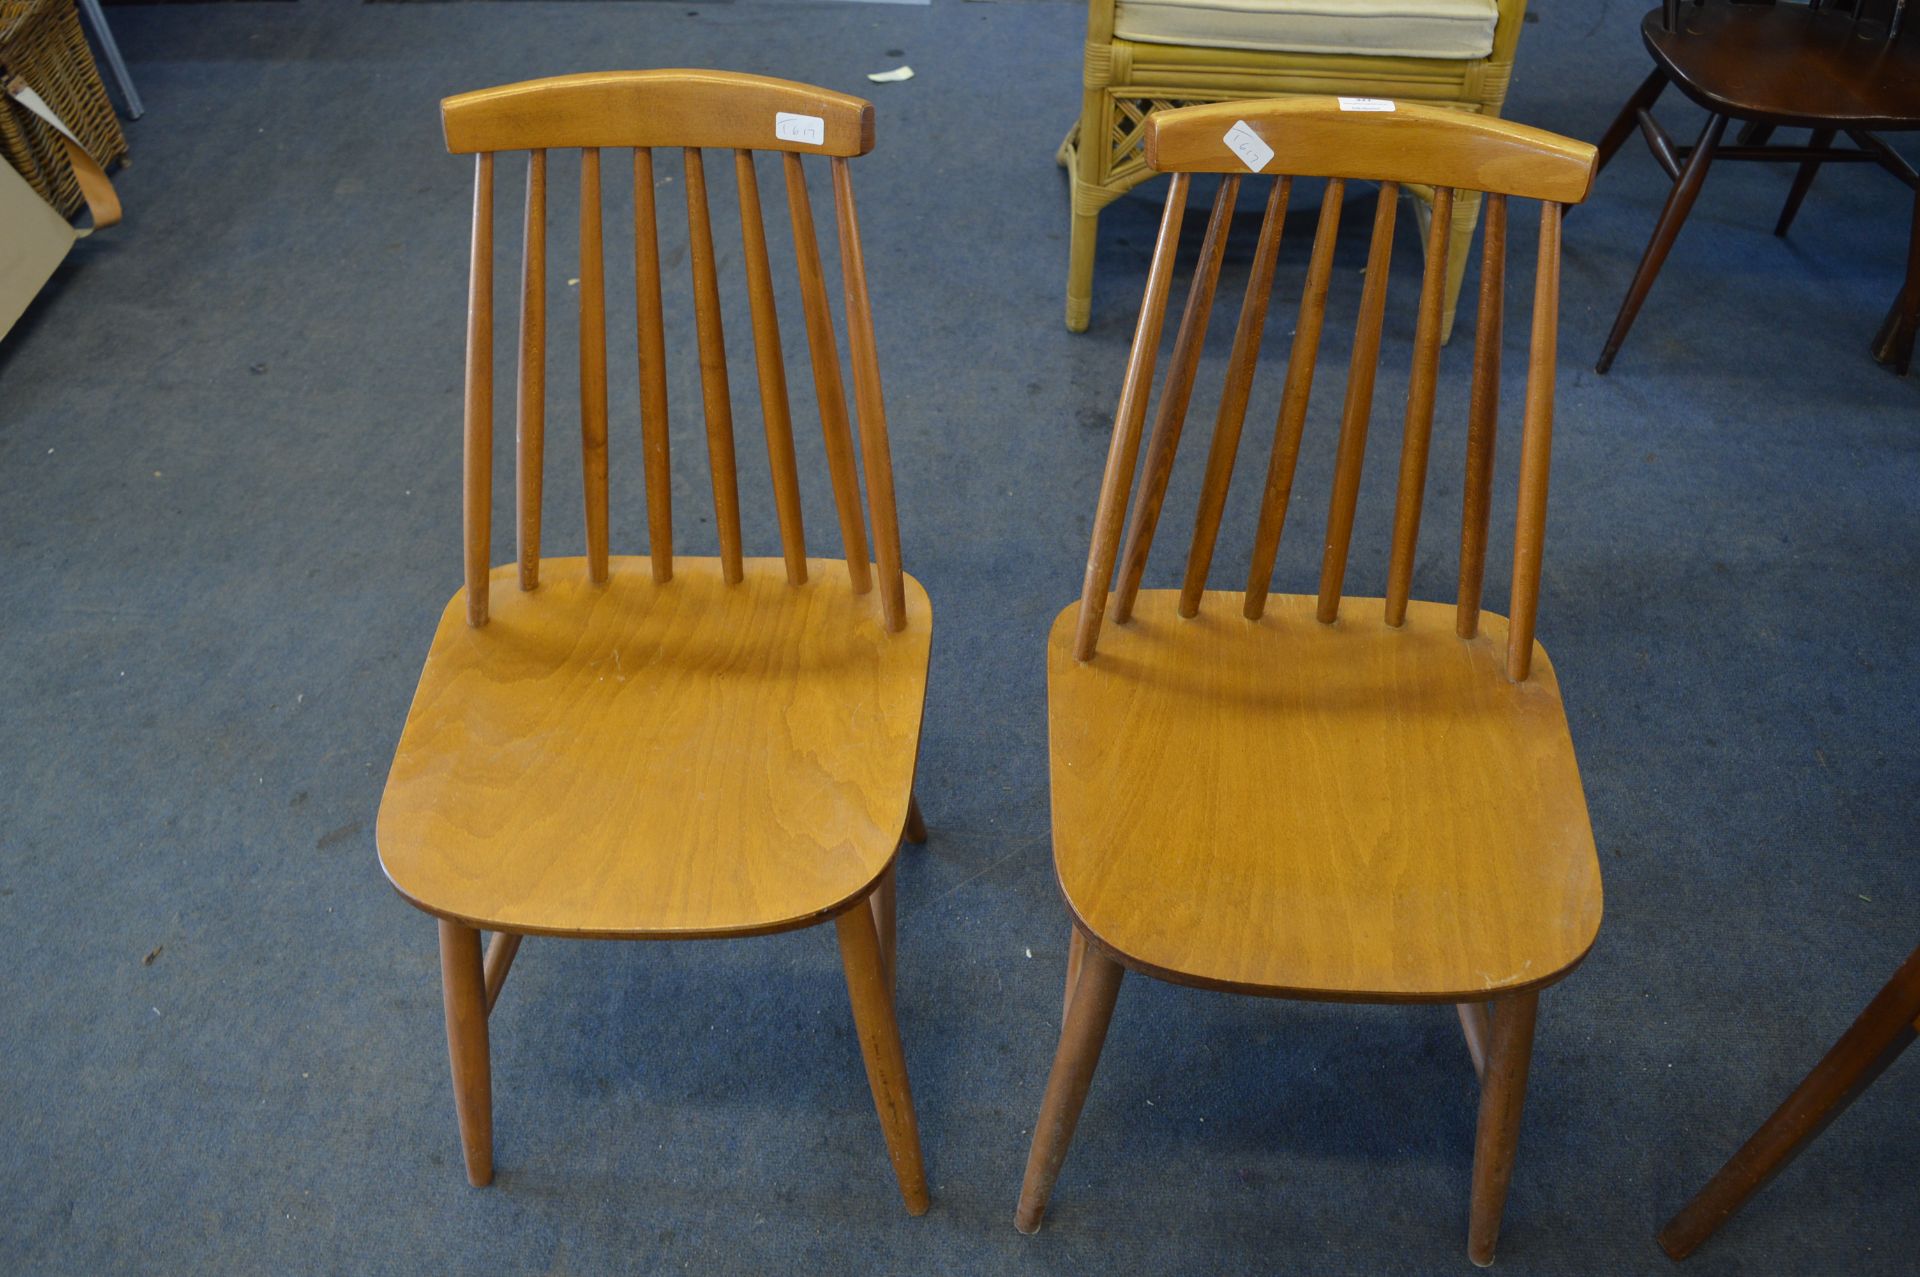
<point>41,42</point>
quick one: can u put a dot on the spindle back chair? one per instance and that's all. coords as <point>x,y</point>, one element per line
<point>667,746</point>
<point>1264,793</point>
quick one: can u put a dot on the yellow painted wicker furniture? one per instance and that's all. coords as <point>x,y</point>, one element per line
<point>1148,55</point>
<point>41,44</point>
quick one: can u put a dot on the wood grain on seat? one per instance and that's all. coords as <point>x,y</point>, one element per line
<point>641,760</point>
<point>1346,811</point>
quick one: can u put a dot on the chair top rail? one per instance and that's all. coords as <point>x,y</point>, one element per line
<point>1371,139</point>
<point>722,110</point>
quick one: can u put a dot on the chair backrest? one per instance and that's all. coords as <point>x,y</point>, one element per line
<point>694,111</point>
<point>1881,20</point>
<point>1343,140</point>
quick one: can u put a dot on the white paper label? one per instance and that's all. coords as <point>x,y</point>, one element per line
<point>1245,143</point>
<point>1366,104</point>
<point>808,129</point>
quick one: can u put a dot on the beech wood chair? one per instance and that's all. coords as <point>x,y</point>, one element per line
<point>1886,1028</point>
<point>1833,68</point>
<point>667,747</point>
<point>1273,795</point>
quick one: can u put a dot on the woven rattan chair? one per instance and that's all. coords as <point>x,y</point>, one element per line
<point>1148,55</point>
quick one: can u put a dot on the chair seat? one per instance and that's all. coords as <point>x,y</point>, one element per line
<point>1345,811</point>
<point>641,760</point>
<point>1788,64</point>
<point>1453,29</point>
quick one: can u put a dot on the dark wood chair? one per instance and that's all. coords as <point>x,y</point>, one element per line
<point>1836,70</point>
<point>667,747</point>
<point>1885,1029</point>
<point>1278,795</point>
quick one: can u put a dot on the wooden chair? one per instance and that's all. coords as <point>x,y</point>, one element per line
<point>1144,56</point>
<point>1831,68</point>
<point>1268,794</point>
<point>1886,1028</point>
<point>667,747</point>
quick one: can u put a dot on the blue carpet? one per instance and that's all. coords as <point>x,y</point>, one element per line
<point>228,501</point>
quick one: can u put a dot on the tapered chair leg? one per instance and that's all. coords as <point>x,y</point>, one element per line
<point>1665,231</point>
<point>1503,1093</point>
<point>885,903</point>
<point>1477,1028</point>
<point>1883,1031</point>
<point>463,986</point>
<point>1076,953</point>
<point>1088,1015</point>
<point>880,1048</point>
<point>916,832</point>
<point>1802,183</point>
<point>1629,117</point>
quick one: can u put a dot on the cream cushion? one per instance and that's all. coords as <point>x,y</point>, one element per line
<point>1455,29</point>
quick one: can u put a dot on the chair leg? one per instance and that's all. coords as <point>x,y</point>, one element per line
<point>1665,231</point>
<point>1084,236</point>
<point>885,904</point>
<point>916,823</point>
<point>1076,954</point>
<point>1086,174</point>
<point>1894,343</point>
<point>464,989</point>
<point>1802,183</point>
<point>1502,1095</point>
<point>498,961</point>
<point>1088,1014</point>
<point>880,1048</point>
<point>1883,1031</point>
<point>1476,1027</point>
<point>1466,215</point>
<point>1629,118</point>
<point>1753,133</point>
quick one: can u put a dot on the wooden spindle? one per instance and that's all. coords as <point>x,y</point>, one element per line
<point>1352,451</point>
<point>827,385</point>
<point>1419,425</point>
<point>650,327</point>
<point>1128,418</point>
<point>1227,424</point>
<point>1536,447</point>
<point>1483,415</point>
<point>530,431</point>
<point>1305,353</point>
<point>771,365</point>
<point>714,395</point>
<point>593,365</point>
<point>476,488</point>
<point>1164,441</point>
<point>869,403</point>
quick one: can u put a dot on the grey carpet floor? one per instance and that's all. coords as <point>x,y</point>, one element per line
<point>229,507</point>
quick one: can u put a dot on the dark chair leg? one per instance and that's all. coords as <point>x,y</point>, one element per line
<point>1753,133</point>
<point>1802,182</point>
<point>1625,122</point>
<point>1894,344</point>
<point>1883,1030</point>
<point>1665,231</point>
